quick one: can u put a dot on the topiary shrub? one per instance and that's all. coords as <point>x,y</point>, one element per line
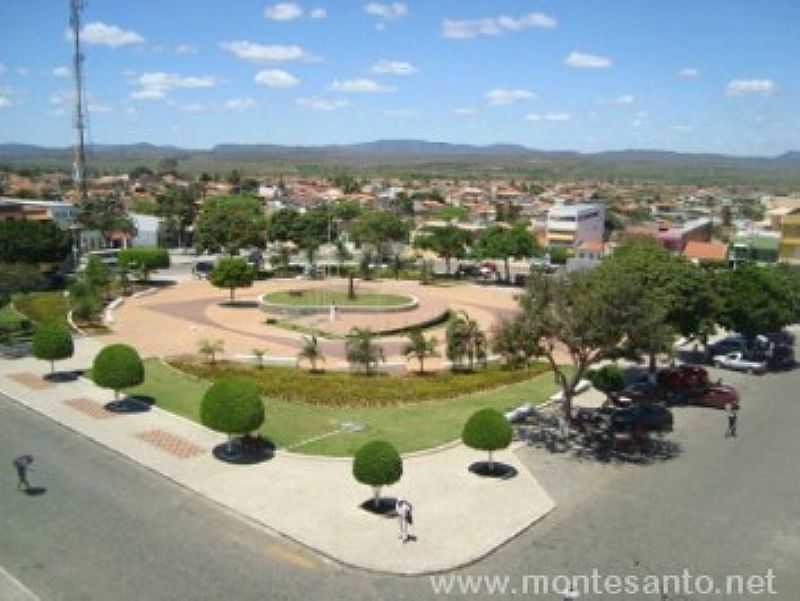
<point>232,406</point>
<point>609,379</point>
<point>487,430</point>
<point>377,464</point>
<point>52,342</point>
<point>116,367</point>
<point>144,260</point>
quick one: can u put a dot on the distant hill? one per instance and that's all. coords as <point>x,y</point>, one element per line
<point>399,157</point>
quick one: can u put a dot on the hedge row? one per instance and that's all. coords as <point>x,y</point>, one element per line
<point>340,389</point>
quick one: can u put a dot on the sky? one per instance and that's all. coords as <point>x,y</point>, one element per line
<point>687,75</point>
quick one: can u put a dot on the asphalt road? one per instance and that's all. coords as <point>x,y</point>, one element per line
<point>108,530</point>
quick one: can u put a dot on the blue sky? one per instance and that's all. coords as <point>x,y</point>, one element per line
<point>688,75</point>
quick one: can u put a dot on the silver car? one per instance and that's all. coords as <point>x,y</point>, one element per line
<point>737,362</point>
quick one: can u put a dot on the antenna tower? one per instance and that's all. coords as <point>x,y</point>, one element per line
<point>79,166</point>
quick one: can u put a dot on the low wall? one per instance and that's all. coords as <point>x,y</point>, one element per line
<point>301,310</point>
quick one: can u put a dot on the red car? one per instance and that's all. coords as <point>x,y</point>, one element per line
<point>690,384</point>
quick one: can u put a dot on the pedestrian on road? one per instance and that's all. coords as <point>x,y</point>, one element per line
<point>571,594</point>
<point>405,514</point>
<point>733,419</point>
<point>21,464</point>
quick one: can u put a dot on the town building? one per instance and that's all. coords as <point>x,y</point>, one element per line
<point>570,225</point>
<point>790,239</point>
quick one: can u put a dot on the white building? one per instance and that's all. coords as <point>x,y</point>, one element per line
<point>570,225</point>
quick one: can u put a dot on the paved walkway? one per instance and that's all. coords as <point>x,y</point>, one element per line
<point>459,517</point>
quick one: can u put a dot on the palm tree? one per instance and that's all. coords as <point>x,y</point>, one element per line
<point>259,354</point>
<point>210,348</point>
<point>342,256</point>
<point>466,339</point>
<point>311,352</point>
<point>362,350</point>
<point>420,348</point>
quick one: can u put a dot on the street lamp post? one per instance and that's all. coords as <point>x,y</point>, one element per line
<point>75,230</point>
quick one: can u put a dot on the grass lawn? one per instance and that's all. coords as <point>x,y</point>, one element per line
<point>9,318</point>
<point>410,427</point>
<point>322,297</point>
<point>40,307</point>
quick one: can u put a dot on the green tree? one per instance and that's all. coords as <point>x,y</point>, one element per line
<point>18,277</point>
<point>230,223</point>
<point>85,300</point>
<point>487,430</point>
<point>420,348</point>
<point>756,300</point>
<point>377,464</point>
<point>361,349</point>
<point>211,348</point>
<point>609,379</point>
<point>497,242</point>
<point>107,216</point>
<point>584,314</point>
<point>232,406</point>
<point>177,206</point>
<point>377,229</point>
<point>118,367</point>
<point>33,242</point>
<point>311,352</point>
<point>448,242</point>
<point>465,340</point>
<point>510,340</point>
<point>143,260</point>
<point>232,273</point>
<point>52,342</point>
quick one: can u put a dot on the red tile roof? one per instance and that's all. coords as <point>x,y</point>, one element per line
<point>705,251</point>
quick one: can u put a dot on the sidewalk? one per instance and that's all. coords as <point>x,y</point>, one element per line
<point>459,517</point>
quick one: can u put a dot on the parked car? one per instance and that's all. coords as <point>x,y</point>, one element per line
<point>647,416</point>
<point>729,344</point>
<point>781,356</point>
<point>201,269</point>
<point>690,384</point>
<point>738,362</point>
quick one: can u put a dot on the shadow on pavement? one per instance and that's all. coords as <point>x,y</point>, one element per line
<point>245,451</point>
<point>63,377</point>
<point>385,507</point>
<point>499,471</point>
<point>35,491</point>
<point>131,404</point>
<point>240,304</point>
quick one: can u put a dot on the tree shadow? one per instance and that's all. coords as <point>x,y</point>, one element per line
<point>249,450</point>
<point>237,304</point>
<point>35,491</point>
<point>385,507</point>
<point>131,404</point>
<point>649,453</point>
<point>63,377</point>
<point>498,470</point>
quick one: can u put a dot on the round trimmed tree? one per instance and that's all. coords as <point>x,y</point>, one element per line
<point>232,406</point>
<point>52,342</point>
<point>487,430</point>
<point>118,366</point>
<point>232,273</point>
<point>377,464</point>
<point>609,379</point>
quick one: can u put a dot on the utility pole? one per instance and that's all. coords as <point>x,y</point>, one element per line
<point>79,166</point>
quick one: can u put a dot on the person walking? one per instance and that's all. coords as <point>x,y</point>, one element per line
<point>22,464</point>
<point>733,419</point>
<point>405,514</point>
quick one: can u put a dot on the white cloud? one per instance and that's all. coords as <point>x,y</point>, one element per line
<point>581,60</point>
<point>318,13</point>
<point>389,12</point>
<point>101,34</point>
<point>683,129</point>
<point>625,99</point>
<point>185,49</point>
<point>549,117</point>
<point>361,86</point>
<point>689,73</point>
<point>3,68</point>
<point>131,111</point>
<point>61,98</point>
<point>276,78</point>
<point>259,53</point>
<point>62,72</point>
<point>23,71</point>
<point>394,68</point>
<point>240,104</point>
<point>499,97</point>
<point>465,29</point>
<point>155,86</point>
<point>57,112</point>
<point>739,87</point>
<point>4,102</point>
<point>283,11</point>
<point>96,107</point>
<point>465,112</point>
<point>322,104</point>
